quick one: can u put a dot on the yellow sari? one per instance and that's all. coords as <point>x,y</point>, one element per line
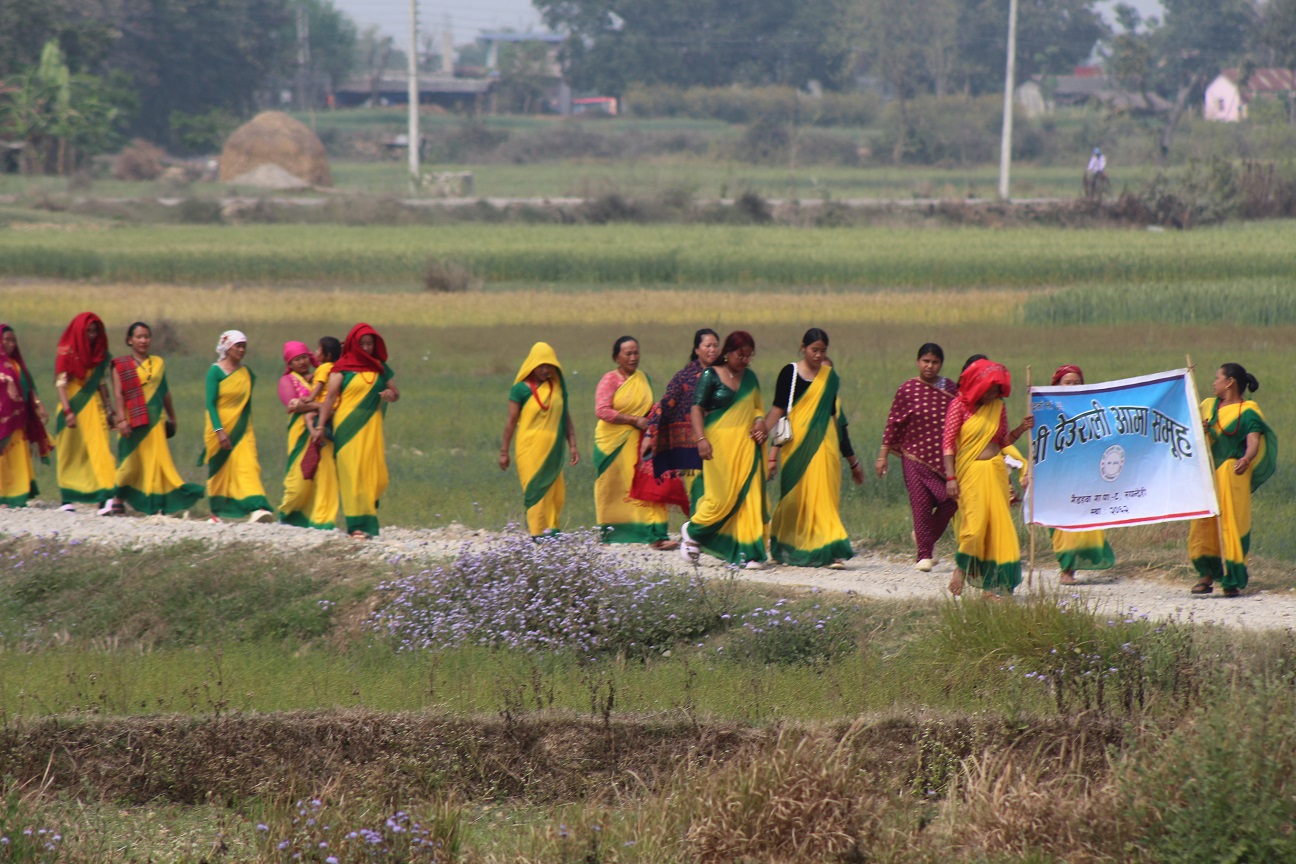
<point>538,446</point>
<point>147,478</point>
<point>1228,430</point>
<point>988,549</point>
<point>621,518</point>
<point>806,529</point>
<point>308,503</point>
<point>86,470</point>
<point>234,485</point>
<point>360,448</point>
<point>1082,550</point>
<point>729,516</point>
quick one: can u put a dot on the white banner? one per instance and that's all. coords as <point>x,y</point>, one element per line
<point>1126,452</point>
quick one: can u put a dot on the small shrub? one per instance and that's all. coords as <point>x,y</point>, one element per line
<point>1221,787</point>
<point>140,161</point>
<point>22,836</point>
<point>755,209</point>
<point>443,276</point>
<point>561,594</point>
<point>800,633</point>
<point>199,211</point>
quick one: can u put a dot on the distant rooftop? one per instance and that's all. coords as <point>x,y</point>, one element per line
<point>550,38</point>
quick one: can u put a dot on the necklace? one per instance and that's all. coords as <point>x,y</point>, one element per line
<point>1237,423</point>
<point>146,366</point>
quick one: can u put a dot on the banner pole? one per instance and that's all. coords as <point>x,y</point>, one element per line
<point>1210,455</point>
<point>1030,486</point>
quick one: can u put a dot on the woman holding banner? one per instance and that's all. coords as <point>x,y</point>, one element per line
<point>1244,450</point>
<point>976,430</point>
<point>1072,548</point>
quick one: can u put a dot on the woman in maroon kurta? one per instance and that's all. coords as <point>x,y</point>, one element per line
<point>913,432</point>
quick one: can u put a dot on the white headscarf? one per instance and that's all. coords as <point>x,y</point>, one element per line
<point>228,340</point>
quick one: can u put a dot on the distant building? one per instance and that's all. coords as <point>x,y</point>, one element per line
<point>392,88</point>
<point>557,93</point>
<point>1043,93</point>
<point>1227,97</point>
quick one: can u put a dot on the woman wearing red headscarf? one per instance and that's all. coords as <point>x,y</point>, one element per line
<point>976,429</point>
<point>87,473</point>
<point>22,424</point>
<point>1074,548</point>
<point>359,390</point>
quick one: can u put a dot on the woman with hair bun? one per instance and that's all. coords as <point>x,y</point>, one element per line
<point>147,478</point>
<point>729,429</point>
<point>806,529</point>
<point>913,432</point>
<point>1245,451</point>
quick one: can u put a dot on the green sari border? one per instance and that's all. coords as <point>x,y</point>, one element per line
<point>794,467</point>
<point>234,508</point>
<point>82,398</point>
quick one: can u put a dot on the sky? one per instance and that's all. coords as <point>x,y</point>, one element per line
<point>468,17</point>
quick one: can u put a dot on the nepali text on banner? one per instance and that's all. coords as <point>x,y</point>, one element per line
<point>1126,452</point>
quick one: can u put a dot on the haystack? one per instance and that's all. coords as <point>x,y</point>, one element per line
<point>274,138</point>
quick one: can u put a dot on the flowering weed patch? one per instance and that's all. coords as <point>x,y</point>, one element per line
<point>794,632</point>
<point>334,833</point>
<point>561,594</point>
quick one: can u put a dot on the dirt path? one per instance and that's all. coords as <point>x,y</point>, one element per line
<point>868,575</point>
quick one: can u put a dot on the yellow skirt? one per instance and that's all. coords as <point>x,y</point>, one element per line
<point>988,549</point>
<point>17,472</point>
<point>309,503</point>
<point>87,473</point>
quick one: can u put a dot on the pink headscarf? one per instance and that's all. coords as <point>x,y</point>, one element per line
<point>296,349</point>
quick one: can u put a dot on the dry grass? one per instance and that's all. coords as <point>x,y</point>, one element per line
<point>57,300</point>
<point>1024,804</point>
<point>793,799</point>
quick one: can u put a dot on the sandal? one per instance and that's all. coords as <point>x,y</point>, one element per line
<point>664,545</point>
<point>359,535</point>
<point>1231,592</point>
<point>1204,586</point>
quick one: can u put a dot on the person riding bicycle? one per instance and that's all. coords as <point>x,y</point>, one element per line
<point>1096,170</point>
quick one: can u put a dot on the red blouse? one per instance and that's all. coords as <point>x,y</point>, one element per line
<point>917,419</point>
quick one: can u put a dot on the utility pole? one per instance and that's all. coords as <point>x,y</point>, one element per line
<point>1005,141</point>
<point>414,97</point>
<point>303,55</point>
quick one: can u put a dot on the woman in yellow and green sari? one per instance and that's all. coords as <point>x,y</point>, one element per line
<point>22,425</point>
<point>537,412</point>
<point>1245,451</point>
<point>360,388</point>
<point>806,529</point>
<point>976,430</point>
<point>310,497</point>
<point>234,488</point>
<point>622,403</point>
<point>730,515</point>
<point>147,478</point>
<point>1078,550</point>
<point>87,473</point>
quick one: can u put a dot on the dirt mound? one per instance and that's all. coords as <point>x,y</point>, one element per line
<point>267,176</point>
<point>274,138</point>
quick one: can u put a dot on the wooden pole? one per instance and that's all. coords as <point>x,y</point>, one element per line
<point>1030,485</point>
<point>1219,517</point>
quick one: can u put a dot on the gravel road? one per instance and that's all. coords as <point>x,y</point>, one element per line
<point>868,575</point>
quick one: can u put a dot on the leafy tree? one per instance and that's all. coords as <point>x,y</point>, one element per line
<point>1053,36</point>
<point>1130,61</point>
<point>195,55</point>
<point>333,41</point>
<point>688,43</point>
<point>524,69</point>
<point>908,46</point>
<point>60,116</point>
<point>1196,40</point>
<point>1276,36</point>
<point>80,27</point>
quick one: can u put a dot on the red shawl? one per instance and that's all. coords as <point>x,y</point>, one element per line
<point>1063,370</point>
<point>978,378</point>
<point>15,411</point>
<point>132,391</point>
<point>76,355</point>
<point>354,359</point>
